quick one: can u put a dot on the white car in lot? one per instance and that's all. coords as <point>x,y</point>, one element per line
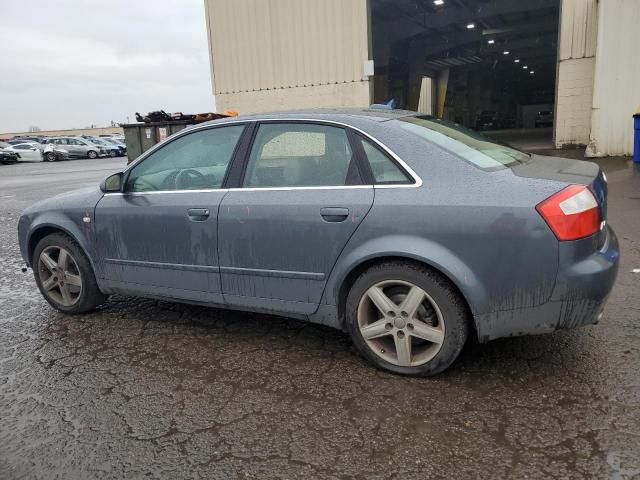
<point>29,151</point>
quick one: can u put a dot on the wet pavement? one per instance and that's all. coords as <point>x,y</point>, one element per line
<point>152,389</point>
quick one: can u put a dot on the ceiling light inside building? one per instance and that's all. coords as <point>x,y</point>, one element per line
<point>491,42</point>
<point>471,25</point>
<point>438,2</point>
<point>517,60</point>
<point>532,72</point>
<point>525,67</point>
<point>506,52</point>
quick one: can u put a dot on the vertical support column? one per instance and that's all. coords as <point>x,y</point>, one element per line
<point>425,104</point>
<point>441,91</point>
<point>575,72</point>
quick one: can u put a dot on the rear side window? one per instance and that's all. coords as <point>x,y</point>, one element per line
<point>384,170</point>
<point>300,155</point>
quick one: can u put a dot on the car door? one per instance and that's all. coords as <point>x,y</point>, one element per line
<point>70,146</point>
<point>28,151</point>
<point>159,236</point>
<point>300,200</point>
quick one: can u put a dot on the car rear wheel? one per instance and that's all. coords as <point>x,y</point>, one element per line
<point>50,157</point>
<point>406,318</point>
<point>64,275</point>
<point>92,154</point>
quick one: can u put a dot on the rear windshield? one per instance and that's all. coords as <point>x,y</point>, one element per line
<point>471,146</point>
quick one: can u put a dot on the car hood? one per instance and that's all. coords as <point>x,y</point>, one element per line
<point>82,199</point>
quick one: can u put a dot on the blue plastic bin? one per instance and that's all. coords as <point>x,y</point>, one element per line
<point>636,138</point>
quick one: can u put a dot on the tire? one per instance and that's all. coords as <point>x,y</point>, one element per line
<point>113,153</point>
<point>440,315</point>
<point>92,154</point>
<point>81,298</point>
<point>50,157</point>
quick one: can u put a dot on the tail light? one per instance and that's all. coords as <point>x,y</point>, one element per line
<point>571,213</point>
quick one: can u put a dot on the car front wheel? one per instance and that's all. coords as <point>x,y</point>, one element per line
<point>50,157</point>
<point>64,275</point>
<point>92,155</point>
<point>406,318</point>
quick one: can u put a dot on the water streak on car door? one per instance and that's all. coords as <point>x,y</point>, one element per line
<point>161,244</point>
<point>277,247</point>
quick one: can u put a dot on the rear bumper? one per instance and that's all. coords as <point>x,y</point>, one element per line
<point>582,288</point>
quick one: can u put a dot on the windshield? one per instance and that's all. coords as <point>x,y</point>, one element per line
<point>471,146</point>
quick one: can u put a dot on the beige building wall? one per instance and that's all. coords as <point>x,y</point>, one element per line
<point>282,54</point>
<point>576,61</point>
<point>616,95</point>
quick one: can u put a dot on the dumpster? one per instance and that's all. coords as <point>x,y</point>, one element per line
<point>140,137</point>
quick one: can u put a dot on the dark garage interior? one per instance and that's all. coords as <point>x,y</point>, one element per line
<point>486,64</point>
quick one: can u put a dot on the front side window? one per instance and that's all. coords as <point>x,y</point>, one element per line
<point>471,146</point>
<point>384,170</point>
<point>198,160</point>
<point>300,155</point>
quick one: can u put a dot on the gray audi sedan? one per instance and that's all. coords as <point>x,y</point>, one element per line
<point>411,233</point>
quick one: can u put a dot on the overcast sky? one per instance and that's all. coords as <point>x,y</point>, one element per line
<point>73,63</point>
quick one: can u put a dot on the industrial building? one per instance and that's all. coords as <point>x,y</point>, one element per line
<point>568,69</point>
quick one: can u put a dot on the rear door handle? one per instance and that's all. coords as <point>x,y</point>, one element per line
<point>334,214</point>
<point>198,214</point>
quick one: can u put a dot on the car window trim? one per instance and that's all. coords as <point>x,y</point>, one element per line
<point>173,138</point>
<point>258,123</point>
<point>417,180</point>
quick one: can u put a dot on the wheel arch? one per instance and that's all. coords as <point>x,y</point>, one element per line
<point>42,230</point>
<point>417,250</point>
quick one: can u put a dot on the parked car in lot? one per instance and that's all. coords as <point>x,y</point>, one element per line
<point>53,153</point>
<point>408,232</point>
<point>122,148</point>
<point>111,149</point>
<point>544,119</point>
<point>488,120</point>
<point>7,156</point>
<point>77,147</point>
<point>27,151</point>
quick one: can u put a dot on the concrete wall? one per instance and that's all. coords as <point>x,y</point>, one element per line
<point>77,131</point>
<point>280,54</point>
<point>576,60</point>
<point>574,94</point>
<point>616,95</point>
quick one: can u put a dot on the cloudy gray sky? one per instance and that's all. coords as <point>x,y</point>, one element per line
<point>72,63</point>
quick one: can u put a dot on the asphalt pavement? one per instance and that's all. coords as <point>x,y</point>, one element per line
<point>153,389</point>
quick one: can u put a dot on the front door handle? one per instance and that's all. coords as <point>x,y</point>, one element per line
<point>198,214</point>
<point>334,214</point>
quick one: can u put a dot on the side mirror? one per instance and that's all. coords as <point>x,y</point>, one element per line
<point>112,184</point>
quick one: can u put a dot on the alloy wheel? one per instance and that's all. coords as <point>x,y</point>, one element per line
<point>60,276</point>
<point>401,323</point>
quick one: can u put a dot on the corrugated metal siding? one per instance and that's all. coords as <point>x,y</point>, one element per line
<point>617,78</point>
<point>269,44</point>
<point>578,35</point>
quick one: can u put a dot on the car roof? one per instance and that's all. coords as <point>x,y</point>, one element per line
<point>375,114</point>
